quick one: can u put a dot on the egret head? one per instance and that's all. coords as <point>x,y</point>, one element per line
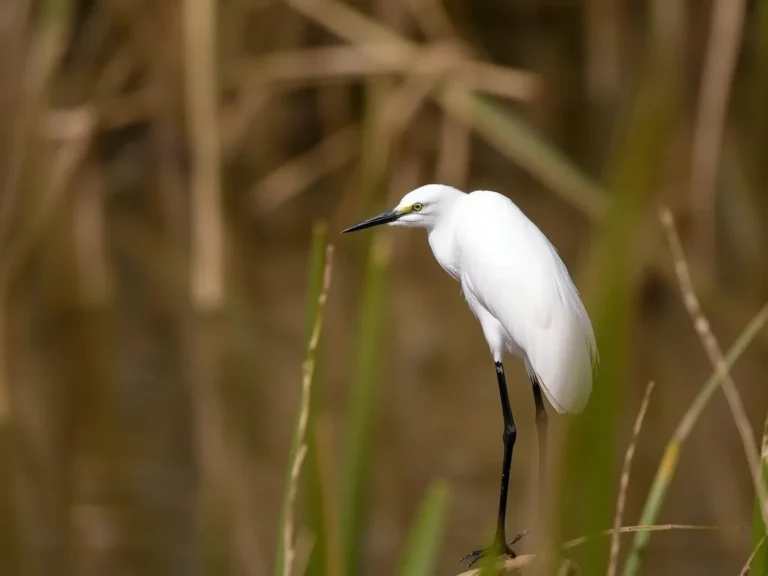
<point>420,208</point>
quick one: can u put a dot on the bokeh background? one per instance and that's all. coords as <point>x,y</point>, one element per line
<point>170,172</point>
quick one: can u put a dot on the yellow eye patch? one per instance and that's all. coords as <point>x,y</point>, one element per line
<point>417,207</point>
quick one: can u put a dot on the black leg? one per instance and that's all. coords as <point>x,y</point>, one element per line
<point>542,421</point>
<point>500,545</point>
<point>510,435</point>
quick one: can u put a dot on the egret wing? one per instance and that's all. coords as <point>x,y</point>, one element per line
<point>513,270</point>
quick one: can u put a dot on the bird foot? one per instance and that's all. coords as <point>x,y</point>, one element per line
<point>499,548</point>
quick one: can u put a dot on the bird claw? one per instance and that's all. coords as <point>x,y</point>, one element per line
<point>498,549</point>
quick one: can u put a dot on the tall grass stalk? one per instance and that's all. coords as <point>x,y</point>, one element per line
<point>363,393</point>
<point>424,538</point>
<point>702,327</point>
<point>668,465</point>
<point>316,504</point>
<point>358,432</point>
<point>624,483</point>
<point>301,444</point>
<point>585,496</point>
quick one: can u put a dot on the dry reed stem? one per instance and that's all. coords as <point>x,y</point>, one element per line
<point>426,72</point>
<point>752,556</point>
<point>381,44</point>
<point>288,180</point>
<point>668,465</point>
<point>307,65</point>
<point>207,281</point>
<point>293,177</point>
<point>726,25</point>
<point>308,371</point>
<point>457,99</point>
<point>624,484</point>
<point>715,354</point>
<point>526,559</point>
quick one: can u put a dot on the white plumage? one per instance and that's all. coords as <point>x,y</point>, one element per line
<point>519,288</point>
<point>514,282</point>
<point>521,293</point>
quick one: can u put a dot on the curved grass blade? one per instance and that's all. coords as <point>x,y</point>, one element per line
<point>359,428</point>
<point>424,538</point>
<point>668,465</point>
<point>318,263</point>
<point>633,180</point>
<point>316,504</point>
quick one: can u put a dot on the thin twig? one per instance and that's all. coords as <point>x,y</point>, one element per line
<point>576,542</point>
<point>308,372</point>
<point>381,43</point>
<point>726,25</point>
<point>625,472</point>
<point>715,354</point>
<point>752,556</point>
<point>524,560</point>
<point>364,59</point>
<point>668,465</point>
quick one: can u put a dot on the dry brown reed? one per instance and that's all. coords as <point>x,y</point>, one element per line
<point>624,483</point>
<point>714,352</point>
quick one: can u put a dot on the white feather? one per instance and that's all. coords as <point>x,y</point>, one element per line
<point>507,267</point>
<point>514,282</point>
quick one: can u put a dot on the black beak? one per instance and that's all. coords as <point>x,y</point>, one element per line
<point>384,218</point>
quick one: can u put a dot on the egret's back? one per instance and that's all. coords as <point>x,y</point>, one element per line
<point>513,270</point>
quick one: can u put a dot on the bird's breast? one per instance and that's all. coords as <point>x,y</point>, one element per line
<point>443,248</point>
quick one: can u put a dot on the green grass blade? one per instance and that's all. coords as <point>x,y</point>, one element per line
<point>315,275</point>
<point>424,538</point>
<point>760,561</point>
<point>358,431</point>
<point>314,288</point>
<point>316,507</point>
<point>633,181</point>
<point>357,450</point>
<point>519,142</point>
<point>668,466</point>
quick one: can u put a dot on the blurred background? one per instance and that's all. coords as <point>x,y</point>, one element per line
<point>170,172</point>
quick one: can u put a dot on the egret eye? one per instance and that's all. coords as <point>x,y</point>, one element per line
<point>417,207</point>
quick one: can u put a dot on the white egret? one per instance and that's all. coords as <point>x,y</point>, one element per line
<point>520,291</point>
